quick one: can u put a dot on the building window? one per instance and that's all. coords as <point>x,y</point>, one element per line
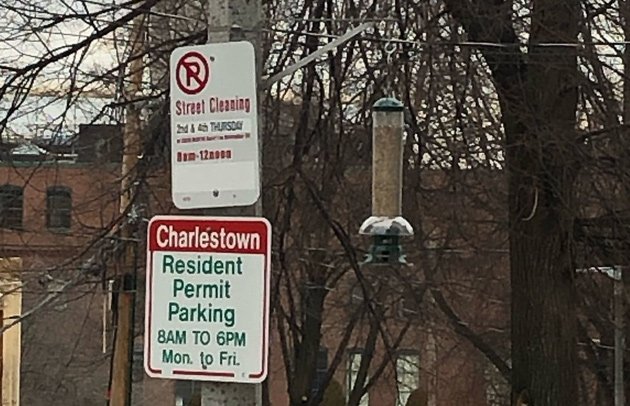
<point>58,208</point>
<point>320,372</point>
<point>407,375</point>
<point>11,202</point>
<point>354,363</point>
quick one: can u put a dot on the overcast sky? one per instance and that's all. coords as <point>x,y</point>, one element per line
<point>27,37</point>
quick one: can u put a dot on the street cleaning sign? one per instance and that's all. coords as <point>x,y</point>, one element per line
<point>207,299</point>
<point>214,126</point>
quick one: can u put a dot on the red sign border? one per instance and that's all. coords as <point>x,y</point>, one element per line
<point>256,377</point>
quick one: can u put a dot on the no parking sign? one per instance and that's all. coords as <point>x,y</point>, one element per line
<point>215,156</point>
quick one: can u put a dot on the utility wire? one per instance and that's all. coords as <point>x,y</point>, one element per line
<point>478,44</point>
<point>386,19</point>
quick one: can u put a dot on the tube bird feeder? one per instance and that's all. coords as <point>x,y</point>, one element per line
<point>386,224</point>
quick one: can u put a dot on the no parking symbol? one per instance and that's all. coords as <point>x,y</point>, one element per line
<point>192,73</point>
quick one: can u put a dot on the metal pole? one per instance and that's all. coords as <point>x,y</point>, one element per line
<point>235,20</point>
<point>321,51</point>
<point>619,336</point>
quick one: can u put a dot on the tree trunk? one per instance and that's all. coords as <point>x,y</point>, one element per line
<point>541,180</point>
<point>308,349</point>
<point>538,96</point>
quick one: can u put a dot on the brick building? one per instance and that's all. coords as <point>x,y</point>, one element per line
<point>51,209</point>
<point>56,203</point>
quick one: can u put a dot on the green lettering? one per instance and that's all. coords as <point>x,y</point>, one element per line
<point>167,262</point>
<point>227,290</point>
<point>179,266</point>
<point>171,357</point>
<point>190,291</point>
<point>173,310</point>
<point>218,267</point>
<point>206,266</point>
<point>234,267</point>
<point>178,285</point>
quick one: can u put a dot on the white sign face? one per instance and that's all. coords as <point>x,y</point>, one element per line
<point>207,299</point>
<point>214,126</point>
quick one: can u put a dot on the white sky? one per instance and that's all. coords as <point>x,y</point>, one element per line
<point>25,40</point>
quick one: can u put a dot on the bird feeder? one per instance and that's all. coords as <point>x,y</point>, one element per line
<point>386,224</point>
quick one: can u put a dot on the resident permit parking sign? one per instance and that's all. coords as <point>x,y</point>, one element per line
<point>207,299</point>
<point>214,126</point>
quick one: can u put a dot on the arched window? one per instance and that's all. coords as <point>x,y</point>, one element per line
<point>58,208</point>
<point>11,201</point>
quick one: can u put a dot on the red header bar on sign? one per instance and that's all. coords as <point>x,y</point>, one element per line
<point>204,234</point>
